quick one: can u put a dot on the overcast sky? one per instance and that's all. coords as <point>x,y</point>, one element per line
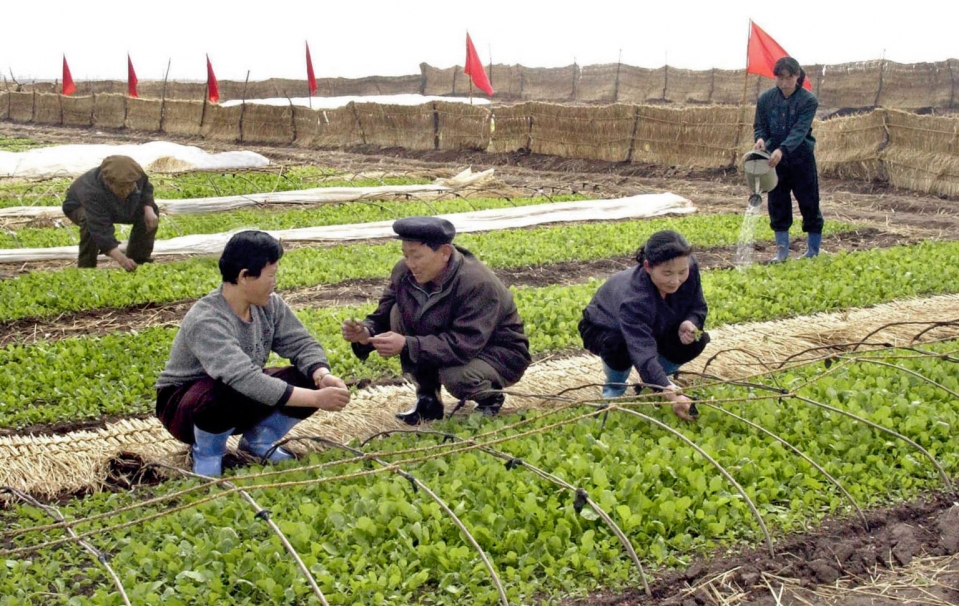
<point>389,38</point>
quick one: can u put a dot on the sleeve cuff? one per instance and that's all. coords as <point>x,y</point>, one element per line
<point>286,396</point>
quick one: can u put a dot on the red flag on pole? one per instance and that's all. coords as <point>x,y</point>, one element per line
<point>212,87</point>
<point>310,77</point>
<point>68,86</point>
<point>474,68</point>
<point>131,78</point>
<point>762,54</point>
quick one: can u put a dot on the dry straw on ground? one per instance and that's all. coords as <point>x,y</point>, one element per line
<point>50,465</point>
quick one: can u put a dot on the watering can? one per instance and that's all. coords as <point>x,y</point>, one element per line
<point>760,177</point>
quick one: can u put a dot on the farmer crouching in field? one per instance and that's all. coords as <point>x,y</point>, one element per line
<point>783,127</point>
<point>215,384</point>
<point>650,317</point>
<point>449,318</point>
<point>118,191</point>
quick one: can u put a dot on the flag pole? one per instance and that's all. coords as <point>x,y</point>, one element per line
<point>742,100</point>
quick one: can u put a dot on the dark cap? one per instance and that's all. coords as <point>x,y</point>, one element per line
<point>428,230</point>
<point>120,170</point>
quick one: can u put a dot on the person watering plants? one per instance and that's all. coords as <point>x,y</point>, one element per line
<point>650,317</point>
<point>783,127</point>
<point>449,318</point>
<point>215,384</point>
<point>117,191</point>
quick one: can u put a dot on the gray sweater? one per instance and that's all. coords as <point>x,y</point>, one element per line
<point>213,341</point>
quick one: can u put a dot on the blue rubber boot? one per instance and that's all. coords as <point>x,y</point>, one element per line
<point>611,389</point>
<point>782,247</point>
<point>812,246</point>
<point>258,440</point>
<point>208,450</point>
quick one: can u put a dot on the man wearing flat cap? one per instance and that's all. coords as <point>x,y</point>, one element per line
<point>117,191</point>
<point>449,318</point>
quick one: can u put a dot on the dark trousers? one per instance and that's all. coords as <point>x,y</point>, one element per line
<point>474,380</point>
<point>215,407</point>
<point>611,346</point>
<point>139,244</point>
<point>797,175</point>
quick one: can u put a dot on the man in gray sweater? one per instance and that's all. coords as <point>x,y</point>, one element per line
<point>215,384</point>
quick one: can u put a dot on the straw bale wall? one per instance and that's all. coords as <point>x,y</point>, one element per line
<point>338,128</point>
<point>687,86</point>
<point>597,83</point>
<point>20,106</point>
<point>221,123</point>
<point>507,81</point>
<point>109,110</point>
<point>305,126</point>
<point>848,84</point>
<point>916,85</point>
<point>46,109</point>
<point>4,104</point>
<point>510,129</point>
<point>549,84</point>
<point>461,126</point>
<point>641,85</point>
<point>77,111</point>
<point>370,85</point>
<point>848,148</point>
<point>267,123</point>
<point>143,114</point>
<point>595,133</point>
<point>181,117</point>
<point>698,137</point>
<point>438,81</point>
<point>923,152</point>
<point>410,127</point>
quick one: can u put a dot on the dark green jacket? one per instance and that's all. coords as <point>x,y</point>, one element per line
<point>104,209</point>
<point>786,122</point>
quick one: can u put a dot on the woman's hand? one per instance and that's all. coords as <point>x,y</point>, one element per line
<point>687,332</point>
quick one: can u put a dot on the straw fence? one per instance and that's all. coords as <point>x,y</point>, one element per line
<point>862,84</point>
<point>910,151</point>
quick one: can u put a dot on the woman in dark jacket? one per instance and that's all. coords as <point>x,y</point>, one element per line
<point>783,127</point>
<point>650,316</point>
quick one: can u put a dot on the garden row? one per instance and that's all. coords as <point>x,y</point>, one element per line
<point>46,294</point>
<point>372,538</point>
<point>85,378</point>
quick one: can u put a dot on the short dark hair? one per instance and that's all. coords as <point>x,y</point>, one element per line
<point>792,67</point>
<point>249,250</point>
<point>663,246</point>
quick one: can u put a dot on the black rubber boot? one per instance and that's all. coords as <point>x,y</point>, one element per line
<point>428,408</point>
<point>489,407</point>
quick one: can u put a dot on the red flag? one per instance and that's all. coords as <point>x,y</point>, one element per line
<point>212,88</point>
<point>131,78</point>
<point>310,77</point>
<point>68,86</point>
<point>762,54</point>
<point>474,68</point>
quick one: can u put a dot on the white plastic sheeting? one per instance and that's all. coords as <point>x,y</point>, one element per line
<point>335,102</point>
<point>73,160</point>
<point>319,195</point>
<point>634,207</point>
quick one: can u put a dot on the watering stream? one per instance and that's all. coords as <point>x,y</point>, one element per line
<point>747,236</point>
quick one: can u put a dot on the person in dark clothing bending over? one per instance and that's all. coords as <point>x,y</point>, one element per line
<point>783,127</point>
<point>117,191</point>
<point>650,316</point>
<point>449,318</point>
<point>215,384</point>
